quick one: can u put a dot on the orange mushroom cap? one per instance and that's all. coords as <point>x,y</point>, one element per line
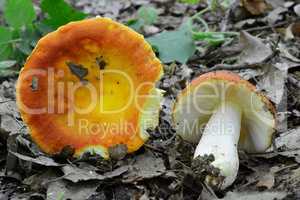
<point>90,85</point>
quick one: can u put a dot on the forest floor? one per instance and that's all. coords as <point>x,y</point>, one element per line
<point>266,54</point>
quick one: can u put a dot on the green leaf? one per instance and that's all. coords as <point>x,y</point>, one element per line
<point>24,47</point>
<point>4,68</point>
<point>145,16</point>
<point>135,24</point>
<point>18,13</point>
<point>60,13</point>
<point>7,64</point>
<point>174,45</point>
<point>43,28</point>
<point>148,15</point>
<point>5,47</point>
<point>29,38</point>
<point>8,72</point>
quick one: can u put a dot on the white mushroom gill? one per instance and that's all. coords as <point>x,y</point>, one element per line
<point>220,138</point>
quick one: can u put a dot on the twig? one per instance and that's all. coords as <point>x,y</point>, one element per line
<point>286,167</point>
<point>272,153</point>
<point>5,101</point>
<point>209,189</point>
<point>225,21</point>
<point>231,67</point>
<point>56,179</point>
<point>154,148</point>
<point>266,27</point>
<point>294,81</point>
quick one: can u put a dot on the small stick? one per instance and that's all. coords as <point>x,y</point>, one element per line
<point>266,27</point>
<point>154,148</point>
<point>5,101</point>
<point>231,67</point>
<point>294,81</point>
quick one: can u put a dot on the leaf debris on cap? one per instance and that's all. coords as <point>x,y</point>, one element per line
<point>78,70</point>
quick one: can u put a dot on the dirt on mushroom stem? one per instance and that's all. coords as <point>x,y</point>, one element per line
<point>206,172</point>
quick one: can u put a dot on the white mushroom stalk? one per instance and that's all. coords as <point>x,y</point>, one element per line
<point>220,138</point>
<point>244,119</point>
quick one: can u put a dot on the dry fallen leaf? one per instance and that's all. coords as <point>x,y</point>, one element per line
<point>276,15</point>
<point>41,160</point>
<point>40,181</point>
<point>297,10</point>
<point>289,140</point>
<point>273,83</point>
<point>289,143</point>
<point>64,190</point>
<point>146,166</point>
<point>255,196</point>
<point>267,181</point>
<point>75,174</point>
<point>295,176</point>
<point>275,3</point>
<point>285,52</point>
<point>254,50</point>
<point>255,7</point>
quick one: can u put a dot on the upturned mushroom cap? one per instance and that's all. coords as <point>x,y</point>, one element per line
<point>197,102</point>
<point>90,85</point>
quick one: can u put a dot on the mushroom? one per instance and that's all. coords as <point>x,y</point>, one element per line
<point>222,112</point>
<point>90,85</point>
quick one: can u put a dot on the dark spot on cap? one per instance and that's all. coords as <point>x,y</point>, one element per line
<point>34,83</point>
<point>101,63</point>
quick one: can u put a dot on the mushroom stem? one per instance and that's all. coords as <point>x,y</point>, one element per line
<point>220,138</point>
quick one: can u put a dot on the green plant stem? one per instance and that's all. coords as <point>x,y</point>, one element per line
<point>201,12</point>
<point>203,22</point>
<point>207,33</point>
<point>198,17</point>
<point>211,34</point>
